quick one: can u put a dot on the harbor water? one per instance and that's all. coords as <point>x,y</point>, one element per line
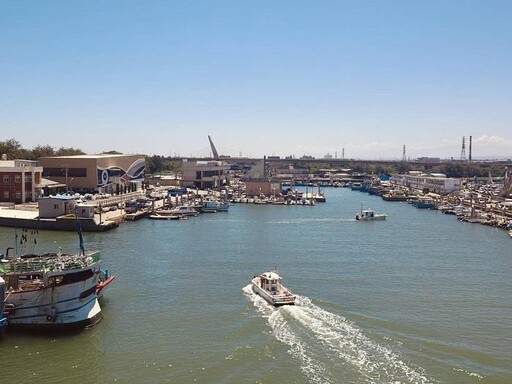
<point>417,298</point>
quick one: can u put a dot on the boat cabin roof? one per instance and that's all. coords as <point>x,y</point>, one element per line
<point>270,276</point>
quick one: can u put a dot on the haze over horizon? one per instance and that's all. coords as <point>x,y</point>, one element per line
<point>262,78</point>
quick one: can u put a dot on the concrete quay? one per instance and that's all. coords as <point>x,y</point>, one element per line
<point>105,218</point>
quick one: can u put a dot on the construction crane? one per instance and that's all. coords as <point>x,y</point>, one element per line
<point>214,150</point>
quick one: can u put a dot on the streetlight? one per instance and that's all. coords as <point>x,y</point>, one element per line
<point>66,174</point>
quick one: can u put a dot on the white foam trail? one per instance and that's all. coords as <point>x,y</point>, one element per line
<point>311,367</point>
<point>310,220</point>
<point>328,345</point>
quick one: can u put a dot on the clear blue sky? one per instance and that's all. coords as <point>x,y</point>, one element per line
<point>262,77</point>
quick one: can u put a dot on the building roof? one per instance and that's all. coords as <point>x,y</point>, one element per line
<point>99,156</point>
<point>50,183</point>
<point>60,197</point>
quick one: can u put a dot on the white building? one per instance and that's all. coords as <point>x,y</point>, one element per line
<point>204,174</point>
<point>435,182</point>
<point>55,206</point>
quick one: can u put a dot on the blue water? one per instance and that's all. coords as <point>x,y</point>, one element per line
<point>418,298</point>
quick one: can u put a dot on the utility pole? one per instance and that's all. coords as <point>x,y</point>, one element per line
<point>66,175</point>
<point>470,143</point>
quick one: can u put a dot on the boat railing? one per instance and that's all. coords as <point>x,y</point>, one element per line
<point>43,265</point>
<point>282,295</point>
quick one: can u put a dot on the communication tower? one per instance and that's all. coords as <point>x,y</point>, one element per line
<point>463,151</point>
<point>403,154</point>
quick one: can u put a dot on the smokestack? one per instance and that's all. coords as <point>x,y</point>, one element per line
<point>470,141</point>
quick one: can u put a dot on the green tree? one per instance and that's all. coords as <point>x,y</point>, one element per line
<point>62,151</point>
<point>10,148</point>
<point>42,151</point>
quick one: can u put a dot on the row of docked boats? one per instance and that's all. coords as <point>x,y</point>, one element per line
<point>51,291</point>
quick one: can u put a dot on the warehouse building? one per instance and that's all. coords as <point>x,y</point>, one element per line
<point>106,173</point>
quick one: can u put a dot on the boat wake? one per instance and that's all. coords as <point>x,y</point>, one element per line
<point>310,220</point>
<point>330,347</point>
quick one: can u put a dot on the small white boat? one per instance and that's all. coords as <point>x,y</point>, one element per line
<point>268,285</point>
<point>370,215</point>
<point>158,216</point>
<point>175,213</point>
<point>184,210</point>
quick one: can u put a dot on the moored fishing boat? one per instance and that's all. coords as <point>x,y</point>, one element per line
<point>425,202</point>
<point>3,317</point>
<point>268,286</point>
<point>52,291</point>
<point>395,195</point>
<point>213,206</point>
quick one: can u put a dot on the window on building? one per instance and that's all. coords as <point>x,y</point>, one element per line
<point>61,172</point>
<point>18,195</point>
<point>17,179</point>
<point>6,179</point>
<point>6,195</point>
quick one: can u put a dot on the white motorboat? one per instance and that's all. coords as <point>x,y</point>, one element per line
<point>184,210</point>
<point>370,215</point>
<point>159,216</point>
<point>175,213</point>
<point>268,286</point>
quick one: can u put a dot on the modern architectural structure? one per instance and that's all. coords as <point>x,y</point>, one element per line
<point>105,173</point>
<point>204,174</point>
<point>20,181</point>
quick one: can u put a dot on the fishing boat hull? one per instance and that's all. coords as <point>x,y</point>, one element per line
<point>277,298</point>
<point>167,217</point>
<point>69,306</point>
<point>375,218</point>
<point>3,317</point>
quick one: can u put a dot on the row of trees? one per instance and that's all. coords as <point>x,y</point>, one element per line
<point>12,149</point>
<point>454,169</point>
